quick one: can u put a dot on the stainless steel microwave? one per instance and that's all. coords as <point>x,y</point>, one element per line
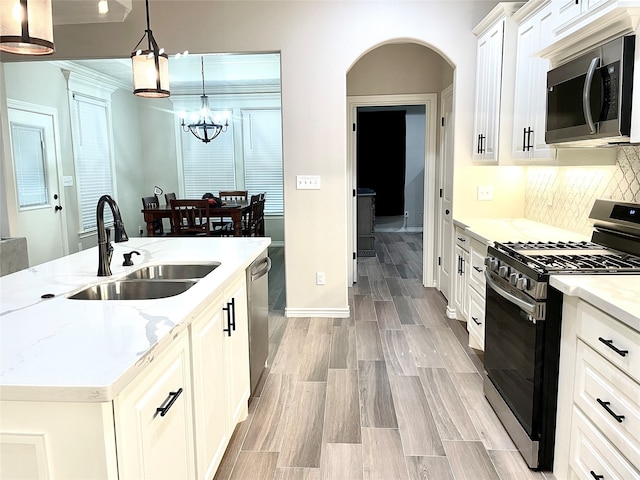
<point>589,97</point>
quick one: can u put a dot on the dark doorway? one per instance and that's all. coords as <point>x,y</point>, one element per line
<point>381,153</point>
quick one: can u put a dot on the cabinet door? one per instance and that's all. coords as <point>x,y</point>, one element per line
<point>154,419</point>
<point>462,283</point>
<point>524,89</point>
<point>488,88</point>
<point>209,389</point>
<point>567,10</point>
<point>236,349</point>
<point>544,28</point>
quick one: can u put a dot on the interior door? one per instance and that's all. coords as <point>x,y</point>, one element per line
<point>37,193</point>
<point>446,198</point>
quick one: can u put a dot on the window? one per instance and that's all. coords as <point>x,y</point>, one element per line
<point>92,157</point>
<point>247,157</point>
<point>29,161</point>
<point>90,104</point>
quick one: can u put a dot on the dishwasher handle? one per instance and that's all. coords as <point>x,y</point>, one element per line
<point>262,272</point>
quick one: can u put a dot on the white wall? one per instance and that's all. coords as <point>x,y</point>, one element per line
<point>319,42</point>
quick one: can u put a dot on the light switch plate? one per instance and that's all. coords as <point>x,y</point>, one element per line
<point>485,192</point>
<point>308,182</point>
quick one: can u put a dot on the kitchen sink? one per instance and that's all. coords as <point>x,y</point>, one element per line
<point>173,271</point>
<point>134,290</point>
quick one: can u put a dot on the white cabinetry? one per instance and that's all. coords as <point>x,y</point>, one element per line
<point>601,408</point>
<point>475,324</point>
<point>154,421</point>
<point>570,11</point>
<point>462,281</point>
<point>220,363</point>
<point>494,83</point>
<point>529,116</point>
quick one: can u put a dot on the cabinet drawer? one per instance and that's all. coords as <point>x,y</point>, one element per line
<point>462,239</point>
<point>475,325</point>
<point>591,452</point>
<point>612,339</point>
<point>610,399</point>
<point>476,271</point>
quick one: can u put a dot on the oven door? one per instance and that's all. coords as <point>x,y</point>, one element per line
<point>514,345</point>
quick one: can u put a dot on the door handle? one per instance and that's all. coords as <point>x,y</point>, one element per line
<point>446,212</point>
<point>57,207</point>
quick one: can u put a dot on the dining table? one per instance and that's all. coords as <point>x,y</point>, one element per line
<point>235,211</point>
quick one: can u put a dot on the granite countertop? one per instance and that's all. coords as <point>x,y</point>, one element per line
<point>58,349</point>
<point>615,294</point>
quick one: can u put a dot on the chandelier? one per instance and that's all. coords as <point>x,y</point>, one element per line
<point>26,27</point>
<point>206,128</point>
<point>150,67</point>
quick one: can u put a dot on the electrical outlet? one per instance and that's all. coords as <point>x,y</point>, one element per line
<point>485,192</point>
<point>319,278</point>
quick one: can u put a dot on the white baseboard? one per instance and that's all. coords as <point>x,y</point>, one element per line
<point>451,312</point>
<point>317,312</point>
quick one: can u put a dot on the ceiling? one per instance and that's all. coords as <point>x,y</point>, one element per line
<point>258,72</point>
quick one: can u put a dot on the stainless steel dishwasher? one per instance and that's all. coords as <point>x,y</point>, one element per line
<point>258,301</point>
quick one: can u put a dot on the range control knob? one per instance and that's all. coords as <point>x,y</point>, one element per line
<point>491,263</point>
<point>504,271</point>
<point>513,278</point>
<point>522,283</point>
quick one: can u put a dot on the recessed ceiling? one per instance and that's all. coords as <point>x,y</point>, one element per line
<point>66,12</point>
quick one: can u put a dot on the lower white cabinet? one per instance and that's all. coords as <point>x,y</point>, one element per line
<point>154,421</point>
<point>462,283</point>
<point>173,421</point>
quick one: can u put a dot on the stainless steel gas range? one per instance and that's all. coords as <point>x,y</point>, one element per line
<point>523,320</point>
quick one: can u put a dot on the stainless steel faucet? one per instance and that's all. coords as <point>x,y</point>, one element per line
<point>105,250</point>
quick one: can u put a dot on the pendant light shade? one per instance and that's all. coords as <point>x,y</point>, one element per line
<point>26,27</point>
<point>150,67</point>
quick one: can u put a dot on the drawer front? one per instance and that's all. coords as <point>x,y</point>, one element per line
<point>591,452</point>
<point>612,339</point>
<point>476,273</point>
<point>475,325</point>
<point>610,399</point>
<point>462,239</point>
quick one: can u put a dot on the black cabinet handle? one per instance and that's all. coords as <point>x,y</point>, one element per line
<point>609,343</point>
<point>462,239</point>
<point>524,139</point>
<point>174,396</point>
<point>477,269</point>
<point>596,476</point>
<point>479,144</point>
<point>231,316</point>
<point>605,405</point>
<point>476,321</point>
<point>529,132</point>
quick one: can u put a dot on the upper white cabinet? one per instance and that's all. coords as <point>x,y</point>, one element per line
<point>529,110</point>
<point>569,11</point>
<point>494,83</point>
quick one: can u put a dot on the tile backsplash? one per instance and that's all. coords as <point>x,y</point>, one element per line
<point>563,196</point>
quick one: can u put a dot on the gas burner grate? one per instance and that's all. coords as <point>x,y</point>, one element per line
<point>570,245</point>
<point>589,262</point>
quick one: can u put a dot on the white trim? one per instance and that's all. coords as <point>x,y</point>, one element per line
<point>53,113</point>
<point>89,74</point>
<point>317,312</point>
<point>89,86</point>
<point>430,102</point>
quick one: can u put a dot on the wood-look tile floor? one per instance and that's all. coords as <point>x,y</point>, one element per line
<point>391,393</point>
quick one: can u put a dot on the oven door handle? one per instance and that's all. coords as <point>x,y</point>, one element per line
<point>530,308</point>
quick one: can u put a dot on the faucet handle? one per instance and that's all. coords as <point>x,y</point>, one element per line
<point>127,258</point>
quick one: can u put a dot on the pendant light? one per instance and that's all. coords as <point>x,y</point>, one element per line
<point>150,67</point>
<point>26,27</point>
<point>206,128</point>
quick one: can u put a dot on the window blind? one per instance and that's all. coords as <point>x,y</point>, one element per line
<point>92,157</point>
<point>262,151</point>
<point>29,164</point>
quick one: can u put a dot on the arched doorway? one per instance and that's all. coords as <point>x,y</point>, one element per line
<point>404,74</point>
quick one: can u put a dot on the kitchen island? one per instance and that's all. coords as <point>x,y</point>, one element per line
<point>124,388</point>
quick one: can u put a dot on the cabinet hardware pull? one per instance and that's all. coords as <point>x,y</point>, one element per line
<point>479,144</point>
<point>174,396</point>
<point>609,343</point>
<point>462,239</point>
<point>233,314</point>
<point>529,132</point>
<point>605,405</point>
<point>229,323</point>
<point>524,139</point>
<point>477,269</point>
<point>596,476</point>
<point>461,266</point>
<point>475,319</point>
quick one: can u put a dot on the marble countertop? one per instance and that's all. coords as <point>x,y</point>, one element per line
<point>58,349</point>
<point>614,294</point>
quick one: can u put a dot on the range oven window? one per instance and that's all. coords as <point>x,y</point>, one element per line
<point>513,362</point>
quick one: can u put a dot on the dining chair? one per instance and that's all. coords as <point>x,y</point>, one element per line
<point>168,197</point>
<point>234,195</point>
<point>153,202</point>
<point>190,218</point>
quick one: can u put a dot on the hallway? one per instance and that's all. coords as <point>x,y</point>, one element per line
<point>390,393</point>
